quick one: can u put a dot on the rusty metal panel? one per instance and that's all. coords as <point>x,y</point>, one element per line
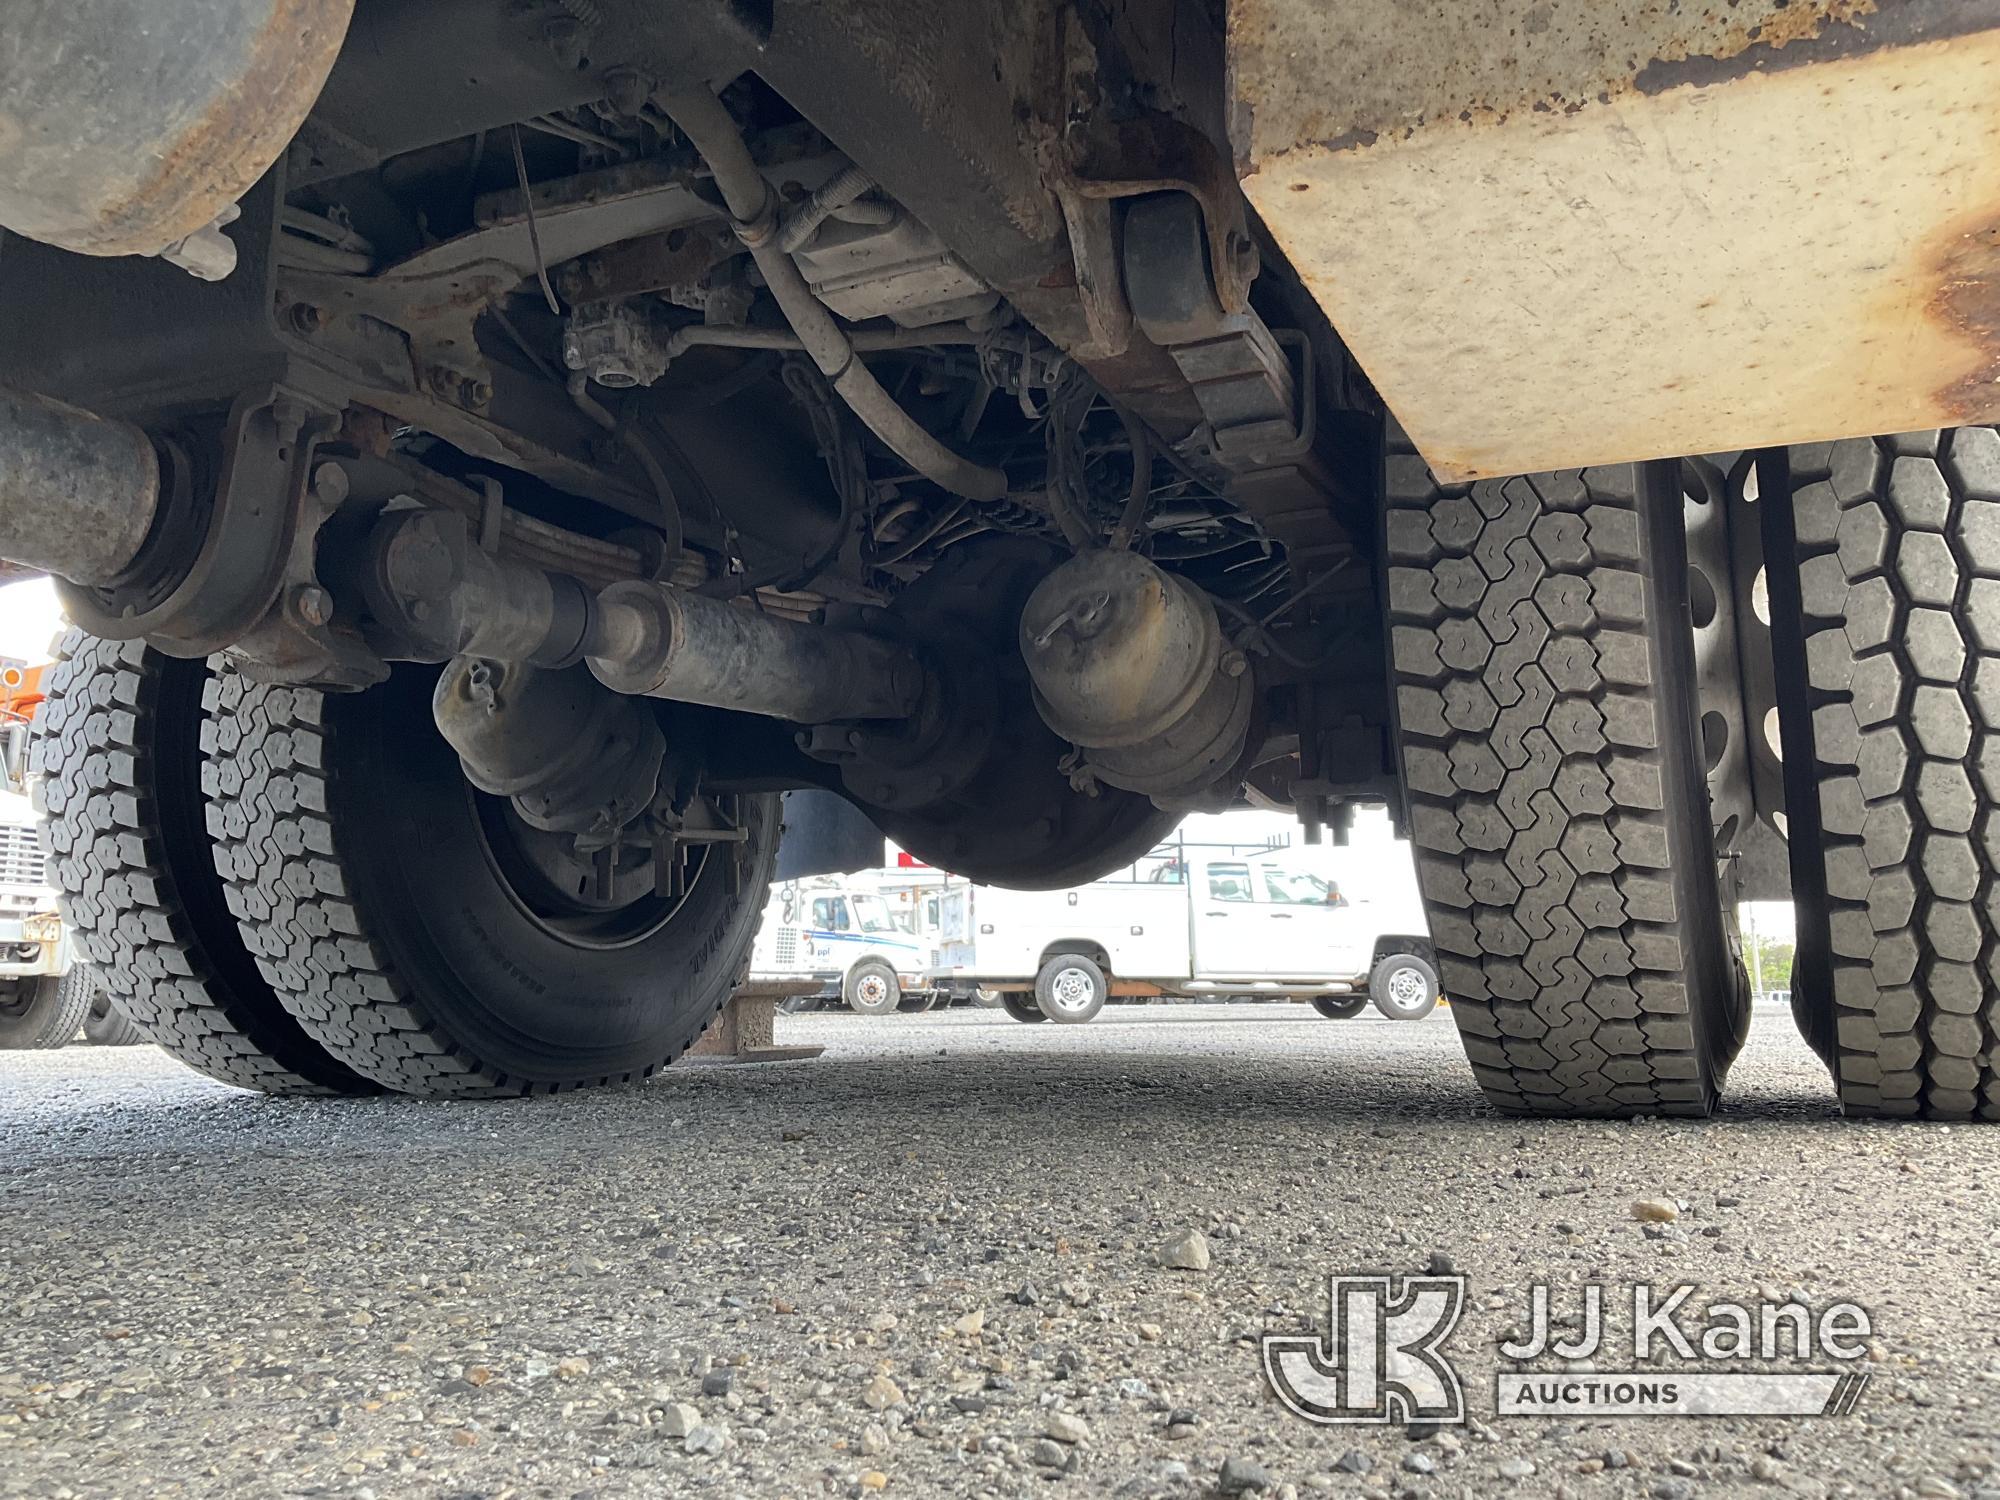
<point>127,125</point>
<point>1562,232</point>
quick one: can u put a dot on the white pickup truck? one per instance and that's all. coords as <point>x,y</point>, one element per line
<point>1224,924</point>
<point>846,937</point>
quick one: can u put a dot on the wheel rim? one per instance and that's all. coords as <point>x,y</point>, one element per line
<point>1407,989</point>
<point>872,989</point>
<point>1072,990</point>
<point>612,901</point>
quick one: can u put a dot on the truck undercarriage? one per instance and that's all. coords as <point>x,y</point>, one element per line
<point>492,451</point>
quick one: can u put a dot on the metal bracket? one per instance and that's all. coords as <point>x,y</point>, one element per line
<point>254,534</point>
<point>1735,675</point>
<point>1105,162</point>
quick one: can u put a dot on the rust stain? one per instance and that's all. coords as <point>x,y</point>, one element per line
<point>1794,23</point>
<point>1967,301</point>
<point>1339,79</point>
<point>215,159</point>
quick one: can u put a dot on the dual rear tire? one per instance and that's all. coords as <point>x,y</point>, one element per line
<point>1541,651</point>
<point>1889,702</point>
<point>299,893</point>
<point>1553,757</point>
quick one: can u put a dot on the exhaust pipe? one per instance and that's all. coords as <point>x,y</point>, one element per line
<point>78,492</point>
<point>434,595</point>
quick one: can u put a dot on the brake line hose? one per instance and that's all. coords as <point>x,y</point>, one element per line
<point>753,208</point>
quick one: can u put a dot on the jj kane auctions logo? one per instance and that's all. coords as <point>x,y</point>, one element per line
<point>1383,1358</point>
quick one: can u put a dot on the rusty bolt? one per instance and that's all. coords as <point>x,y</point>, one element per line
<point>311,605</point>
<point>1234,664</point>
<point>474,392</point>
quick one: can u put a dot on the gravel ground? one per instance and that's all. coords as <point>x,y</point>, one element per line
<point>927,1264</point>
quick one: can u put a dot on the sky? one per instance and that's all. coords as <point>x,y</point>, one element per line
<point>29,620</point>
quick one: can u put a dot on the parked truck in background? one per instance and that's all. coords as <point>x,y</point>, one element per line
<point>843,934</point>
<point>44,997</point>
<point>1212,924</point>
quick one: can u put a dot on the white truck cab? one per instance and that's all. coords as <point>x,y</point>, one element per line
<point>1200,924</point>
<point>845,935</point>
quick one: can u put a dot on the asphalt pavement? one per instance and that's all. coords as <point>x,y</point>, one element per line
<point>931,1263</point>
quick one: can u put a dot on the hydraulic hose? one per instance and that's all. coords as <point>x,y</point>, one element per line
<point>702,118</point>
<point>849,183</point>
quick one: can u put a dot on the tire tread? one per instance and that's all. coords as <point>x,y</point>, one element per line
<point>1899,564</point>
<point>1532,719</point>
<point>279,851</point>
<point>96,767</point>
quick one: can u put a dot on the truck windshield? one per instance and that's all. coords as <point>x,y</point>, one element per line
<point>870,915</point>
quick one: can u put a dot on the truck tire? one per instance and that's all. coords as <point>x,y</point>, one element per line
<point>1340,1007</point>
<point>43,1011</point>
<point>871,988</point>
<point>1070,989</point>
<point>116,767</point>
<point>1404,987</point>
<point>104,1024</point>
<point>1021,1007</point>
<point>1888,664</point>
<point>393,911</point>
<point>1542,655</point>
<point>917,1003</point>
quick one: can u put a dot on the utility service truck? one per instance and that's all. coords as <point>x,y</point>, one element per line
<point>845,936</point>
<point>1257,925</point>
